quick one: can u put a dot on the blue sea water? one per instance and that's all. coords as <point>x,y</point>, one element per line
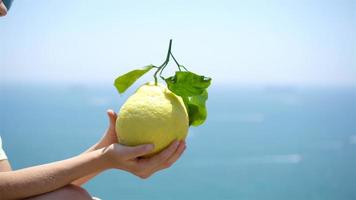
<point>258,143</point>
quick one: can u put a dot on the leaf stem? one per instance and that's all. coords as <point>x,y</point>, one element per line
<point>176,61</point>
<point>179,66</point>
<point>160,73</point>
<point>184,68</point>
<point>160,68</point>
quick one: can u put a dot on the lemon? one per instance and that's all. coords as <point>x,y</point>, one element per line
<point>153,115</point>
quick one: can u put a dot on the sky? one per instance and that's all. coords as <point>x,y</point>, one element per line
<point>278,42</point>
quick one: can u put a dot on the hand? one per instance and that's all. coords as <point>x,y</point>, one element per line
<point>109,136</point>
<point>130,158</point>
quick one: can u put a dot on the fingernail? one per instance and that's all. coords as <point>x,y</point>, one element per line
<point>176,143</point>
<point>149,147</point>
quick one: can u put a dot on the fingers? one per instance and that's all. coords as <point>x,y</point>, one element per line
<point>175,156</point>
<point>137,151</point>
<point>163,156</point>
<point>112,117</point>
<point>164,159</point>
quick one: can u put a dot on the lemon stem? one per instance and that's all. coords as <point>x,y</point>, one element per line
<point>176,62</point>
<point>164,64</point>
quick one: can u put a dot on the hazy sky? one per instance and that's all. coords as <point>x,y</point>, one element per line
<point>235,42</point>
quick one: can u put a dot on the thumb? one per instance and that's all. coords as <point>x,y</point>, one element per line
<point>112,117</point>
<point>137,151</point>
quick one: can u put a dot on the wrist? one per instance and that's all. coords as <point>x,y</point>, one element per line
<point>107,156</point>
<point>105,141</point>
<point>102,159</point>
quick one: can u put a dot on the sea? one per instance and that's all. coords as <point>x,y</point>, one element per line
<point>258,143</point>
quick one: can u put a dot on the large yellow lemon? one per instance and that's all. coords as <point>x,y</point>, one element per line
<point>152,115</point>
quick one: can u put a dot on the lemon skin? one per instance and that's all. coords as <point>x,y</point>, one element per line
<point>152,115</point>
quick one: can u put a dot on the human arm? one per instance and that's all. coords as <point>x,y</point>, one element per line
<point>106,154</point>
<point>5,166</point>
<point>110,138</point>
<point>107,139</point>
<point>45,178</point>
<point>31,176</point>
<point>40,179</point>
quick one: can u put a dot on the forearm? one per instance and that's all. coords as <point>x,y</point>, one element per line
<point>103,142</point>
<point>44,178</point>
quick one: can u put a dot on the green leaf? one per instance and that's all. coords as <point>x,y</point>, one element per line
<point>193,89</point>
<point>125,81</point>
<point>185,83</point>
<point>196,108</point>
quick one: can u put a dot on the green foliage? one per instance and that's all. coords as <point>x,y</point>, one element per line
<point>193,89</point>
<point>196,108</point>
<point>125,81</point>
<point>188,85</point>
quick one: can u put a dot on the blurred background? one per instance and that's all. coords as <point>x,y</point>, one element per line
<point>282,113</point>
